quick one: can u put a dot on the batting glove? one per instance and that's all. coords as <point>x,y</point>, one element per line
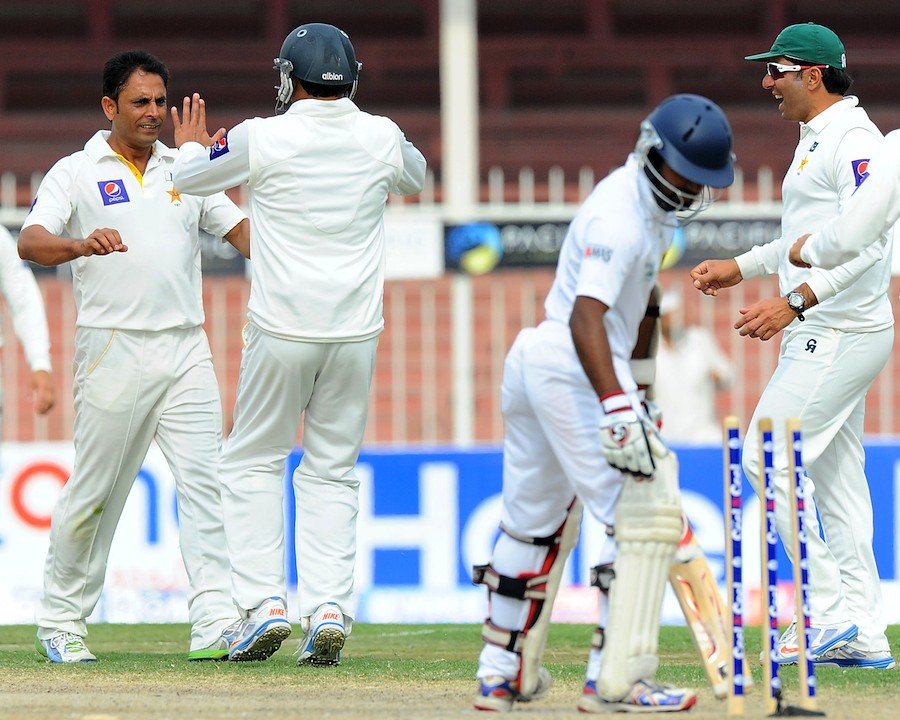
<point>629,439</point>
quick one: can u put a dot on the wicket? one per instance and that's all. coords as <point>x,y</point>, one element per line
<point>733,481</point>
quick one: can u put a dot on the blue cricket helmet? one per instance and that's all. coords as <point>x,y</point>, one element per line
<point>693,137</point>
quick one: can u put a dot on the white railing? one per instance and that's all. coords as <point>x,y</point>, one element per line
<point>441,356</point>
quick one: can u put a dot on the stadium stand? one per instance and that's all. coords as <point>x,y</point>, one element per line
<point>562,83</point>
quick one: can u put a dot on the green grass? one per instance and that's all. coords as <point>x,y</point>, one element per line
<point>421,653</point>
<point>402,672</point>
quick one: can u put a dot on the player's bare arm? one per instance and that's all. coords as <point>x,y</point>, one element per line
<point>710,276</point>
<point>766,318</point>
<point>44,394</point>
<point>39,245</point>
<point>794,254</point>
<point>592,345</point>
<point>191,126</point>
<point>239,237</point>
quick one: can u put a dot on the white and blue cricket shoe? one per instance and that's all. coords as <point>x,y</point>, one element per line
<point>324,638</point>
<point>499,694</point>
<point>262,632</point>
<point>65,647</point>
<point>645,697</point>
<point>219,649</point>
<point>849,656</point>
<point>822,641</point>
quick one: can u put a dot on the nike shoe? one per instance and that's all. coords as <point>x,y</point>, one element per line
<point>65,647</point>
<point>219,649</point>
<point>499,694</point>
<point>848,656</point>
<point>324,638</point>
<point>262,632</point>
<point>645,697</point>
<point>822,640</point>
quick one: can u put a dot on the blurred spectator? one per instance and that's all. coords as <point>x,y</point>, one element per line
<point>690,368</point>
<point>26,306</point>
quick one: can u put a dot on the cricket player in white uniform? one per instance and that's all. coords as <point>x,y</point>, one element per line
<point>319,177</point>
<point>143,368</point>
<point>867,218</point>
<point>577,432</point>
<point>26,306</point>
<point>839,333</point>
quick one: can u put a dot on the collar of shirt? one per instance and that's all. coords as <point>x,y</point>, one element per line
<point>322,108</point>
<point>98,147</point>
<point>818,123</point>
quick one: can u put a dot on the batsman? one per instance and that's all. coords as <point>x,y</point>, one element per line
<point>579,433</point>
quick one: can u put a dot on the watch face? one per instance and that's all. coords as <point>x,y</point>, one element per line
<point>796,301</point>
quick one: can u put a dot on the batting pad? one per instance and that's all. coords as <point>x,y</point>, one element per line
<point>648,528</point>
<point>536,639</point>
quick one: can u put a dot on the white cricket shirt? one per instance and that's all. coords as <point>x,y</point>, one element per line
<point>23,298</point>
<point>319,177</point>
<point>870,214</point>
<point>612,252</point>
<point>829,164</point>
<point>156,285</point>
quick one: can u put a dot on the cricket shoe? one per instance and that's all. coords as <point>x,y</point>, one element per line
<point>65,647</point>
<point>821,641</point>
<point>324,637</point>
<point>848,656</point>
<point>219,649</point>
<point>645,697</point>
<point>262,632</point>
<point>498,694</point>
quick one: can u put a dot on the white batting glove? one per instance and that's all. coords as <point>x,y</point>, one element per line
<point>654,412</point>
<point>630,440</point>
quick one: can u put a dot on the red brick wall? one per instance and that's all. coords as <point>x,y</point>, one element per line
<point>412,394</point>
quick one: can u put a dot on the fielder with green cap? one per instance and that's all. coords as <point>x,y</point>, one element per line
<point>807,42</point>
<point>838,333</point>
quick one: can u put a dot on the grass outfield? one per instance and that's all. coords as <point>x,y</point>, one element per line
<point>388,671</point>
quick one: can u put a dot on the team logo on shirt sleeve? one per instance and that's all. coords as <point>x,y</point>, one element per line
<point>113,192</point>
<point>598,252</point>
<point>219,148</point>
<point>860,170</point>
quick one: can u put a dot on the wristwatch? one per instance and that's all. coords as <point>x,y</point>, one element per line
<point>797,302</point>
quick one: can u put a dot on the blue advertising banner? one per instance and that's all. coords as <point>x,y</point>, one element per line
<point>427,516</point>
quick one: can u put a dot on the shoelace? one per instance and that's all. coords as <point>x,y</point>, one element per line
<point>70,641</point>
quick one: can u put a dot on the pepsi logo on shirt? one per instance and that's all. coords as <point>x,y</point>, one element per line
<point>113,192</point>
<point>219,148</point>
<point>860,170</point>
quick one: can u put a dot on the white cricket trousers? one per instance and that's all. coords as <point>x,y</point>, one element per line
<point>822,378</point>
<point>551,452</point>
<point>328,384</point>
<point>132,387</point>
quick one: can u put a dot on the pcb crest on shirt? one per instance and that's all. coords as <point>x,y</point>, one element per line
<point>113,192</point>
<point>219,147</point>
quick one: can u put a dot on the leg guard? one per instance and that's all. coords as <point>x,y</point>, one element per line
<point>648,528</point>
<point>536,639</point>
<point>704,611</point>
<point>537,590</point>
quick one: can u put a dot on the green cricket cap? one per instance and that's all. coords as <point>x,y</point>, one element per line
<point>807,42</point>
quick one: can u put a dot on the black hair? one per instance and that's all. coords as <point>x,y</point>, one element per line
<point>836,80</point>
<point>318,90</point>
<point>119,68</point>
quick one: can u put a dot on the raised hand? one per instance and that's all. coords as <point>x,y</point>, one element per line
<point>191,127</point>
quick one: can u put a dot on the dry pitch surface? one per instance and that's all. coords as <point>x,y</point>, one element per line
<point>388,672</point>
